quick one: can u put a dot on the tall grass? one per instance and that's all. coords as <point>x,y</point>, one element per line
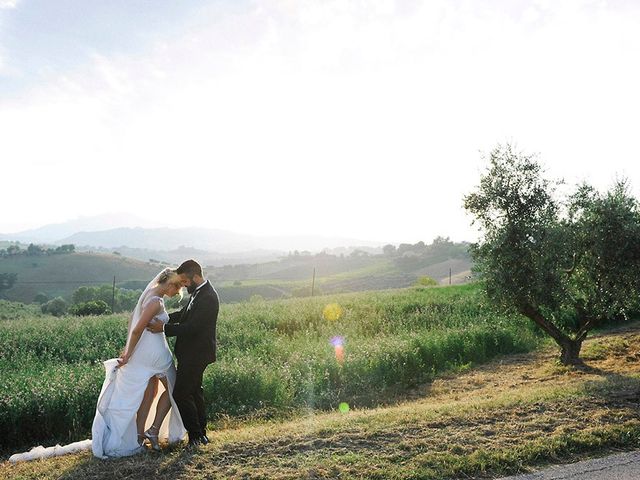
<point>274,357</point>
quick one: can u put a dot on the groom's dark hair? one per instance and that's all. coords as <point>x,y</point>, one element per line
<point>189,268</point>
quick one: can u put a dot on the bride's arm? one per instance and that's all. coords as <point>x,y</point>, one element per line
<point>128,328</point>
<point>150,311</point>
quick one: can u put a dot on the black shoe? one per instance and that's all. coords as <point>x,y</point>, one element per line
<point>194,442</point>
<point>204,439</point>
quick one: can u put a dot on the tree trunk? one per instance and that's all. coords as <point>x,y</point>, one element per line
<point>570,347</point>
<point>570,352</point>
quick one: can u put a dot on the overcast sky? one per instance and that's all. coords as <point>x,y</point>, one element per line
<point>365,119</point>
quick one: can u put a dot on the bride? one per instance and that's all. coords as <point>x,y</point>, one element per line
<point>143,376</point>
<point>131,384</point>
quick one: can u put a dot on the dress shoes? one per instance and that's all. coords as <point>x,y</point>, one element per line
<point>194,442</point>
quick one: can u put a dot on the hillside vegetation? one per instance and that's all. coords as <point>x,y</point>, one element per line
<point>277,358</point>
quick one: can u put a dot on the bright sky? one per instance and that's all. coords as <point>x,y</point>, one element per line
<point>364,119</point>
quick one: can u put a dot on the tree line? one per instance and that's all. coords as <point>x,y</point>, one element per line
<point>408,256</point>
<point>97,300</point>
<point>34,250</point>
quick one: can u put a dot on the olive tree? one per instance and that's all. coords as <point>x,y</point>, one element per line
<point>565,264</point>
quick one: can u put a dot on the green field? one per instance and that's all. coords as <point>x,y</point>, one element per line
<point>275,360</point>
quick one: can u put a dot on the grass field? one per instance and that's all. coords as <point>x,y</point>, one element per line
<point>276,358</point>
<point>510,415</point>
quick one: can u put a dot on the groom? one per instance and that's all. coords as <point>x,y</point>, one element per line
<point>195,329</point>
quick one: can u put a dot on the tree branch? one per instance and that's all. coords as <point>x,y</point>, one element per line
<point>531,312</point>
<point>570,271</point>
<point>584,330</point>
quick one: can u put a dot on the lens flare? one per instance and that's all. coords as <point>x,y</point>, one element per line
<point>332,312</point>
<point>340,354</point>
<point>338,345</point>
<point>343,407</point>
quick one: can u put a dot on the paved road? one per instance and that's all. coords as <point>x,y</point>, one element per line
<point>623,466</point>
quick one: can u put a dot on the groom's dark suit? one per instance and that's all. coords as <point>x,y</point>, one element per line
<point>195,329</point>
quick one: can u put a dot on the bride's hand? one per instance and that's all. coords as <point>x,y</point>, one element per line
<point>123,360</point>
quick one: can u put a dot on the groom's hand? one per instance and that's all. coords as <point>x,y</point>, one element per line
<point>155,326</point>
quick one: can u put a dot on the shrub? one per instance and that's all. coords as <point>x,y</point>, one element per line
<point>41,298</point>
<point>426,282</point>
<point>56,307</point>
<point>97,307</point>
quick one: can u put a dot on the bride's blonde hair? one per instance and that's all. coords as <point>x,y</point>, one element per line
<point>169,275</point>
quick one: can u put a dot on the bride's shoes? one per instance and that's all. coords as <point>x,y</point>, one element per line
<point>152,435</point>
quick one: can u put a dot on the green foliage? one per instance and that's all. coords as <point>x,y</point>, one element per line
<point>17,310</point>
<point>274,356</point>
<point>409,257</point>
<point>517,213</point>
<point>425,281</point>
<point>56,307</point>
<point>97,307</point>
<point>7,280</point>
<point>306,291</point>
<point>605,240</point>
<point>34,250</point>
<point>41,298</point>
<point>11,250</point>
<point>69,248</point>
<point>389,250</point>
<point>567,265</point>
<point>125,300</point>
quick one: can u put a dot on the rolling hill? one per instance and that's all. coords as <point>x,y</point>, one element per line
<point>293,275</point>
<point>60,275</point>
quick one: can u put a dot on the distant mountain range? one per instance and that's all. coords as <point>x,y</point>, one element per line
<point>53,233</point>
<point>120,231</point>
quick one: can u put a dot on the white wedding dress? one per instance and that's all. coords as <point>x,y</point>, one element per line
<point>114,426</point>
<point>114,432</point>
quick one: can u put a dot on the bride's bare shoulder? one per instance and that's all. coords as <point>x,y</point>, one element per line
<point>154,304</point>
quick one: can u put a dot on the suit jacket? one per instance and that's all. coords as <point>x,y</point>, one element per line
<point>195,328</point>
